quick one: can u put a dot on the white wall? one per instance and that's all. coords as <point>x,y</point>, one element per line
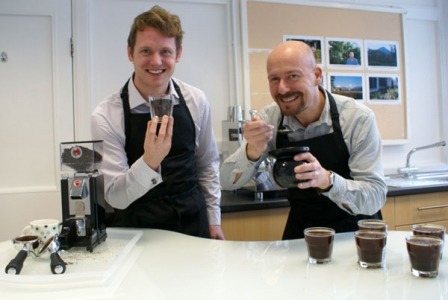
<point>36,114</point>
<point>207,60</point>
<point>426,49</point>
<point>213,54</point>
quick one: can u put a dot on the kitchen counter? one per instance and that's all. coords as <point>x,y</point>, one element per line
<point>244,199</point>
<point>169,265</point>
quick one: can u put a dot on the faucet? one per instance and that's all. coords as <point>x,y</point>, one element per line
<point>408,169</point>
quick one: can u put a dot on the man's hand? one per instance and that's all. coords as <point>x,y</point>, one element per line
<point>257,133</point>
<point>216,232</point>
<point>157,144</point>
<point>312,171</point>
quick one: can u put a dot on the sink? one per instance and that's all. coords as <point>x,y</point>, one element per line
<point>419,179</point>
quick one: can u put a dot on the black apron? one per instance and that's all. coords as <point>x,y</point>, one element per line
<point>309,207</point>
<point>177,203</point>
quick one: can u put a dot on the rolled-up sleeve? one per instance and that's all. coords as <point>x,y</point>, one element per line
<point>122,184</point>
<point>366,193</point>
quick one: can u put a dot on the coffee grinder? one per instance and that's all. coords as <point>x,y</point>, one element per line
<point>82,195</point>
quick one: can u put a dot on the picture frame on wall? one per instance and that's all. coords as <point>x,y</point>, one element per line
<point>384,89</point>
<point>315,42</point>
<point>347,84</point>
<point>344,53</point>
<point>382,54</point>
<point>286,22</point>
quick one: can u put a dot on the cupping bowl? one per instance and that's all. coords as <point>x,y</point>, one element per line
<point>283,168</point>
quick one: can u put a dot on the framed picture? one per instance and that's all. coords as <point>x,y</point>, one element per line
<point>349,84</point>
<point>382,54</point>
<point>345,53</point>
<point>384,89</point>
<point>316,44</point>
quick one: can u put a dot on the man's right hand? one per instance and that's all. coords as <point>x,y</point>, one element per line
<point>157,144</point>
<point>257,133</point>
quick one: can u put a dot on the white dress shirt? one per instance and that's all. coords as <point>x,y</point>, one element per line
<point>123,183</point>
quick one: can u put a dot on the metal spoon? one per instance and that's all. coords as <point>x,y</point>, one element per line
<point>253,113</point>
<point>285,130</point>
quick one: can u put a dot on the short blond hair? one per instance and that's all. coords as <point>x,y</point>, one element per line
<point>157,17</point>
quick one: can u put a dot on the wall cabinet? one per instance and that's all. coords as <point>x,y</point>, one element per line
<point>401,212</point>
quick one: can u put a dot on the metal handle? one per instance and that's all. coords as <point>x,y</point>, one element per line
<point>432,207</point>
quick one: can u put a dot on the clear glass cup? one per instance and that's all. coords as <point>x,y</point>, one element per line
<point>371,248</point>
<point>424,255</point>
<point>429,229</point>
<point>372,224</point>
<point>161,106</point>
<point>319,242</point>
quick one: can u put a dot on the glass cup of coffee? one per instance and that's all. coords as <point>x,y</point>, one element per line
<point>371,248</point>
<point>161,106</point>
<point>424,255</point>
<point>372,224</point>
<point>319,241</point>
<point>429,229</point>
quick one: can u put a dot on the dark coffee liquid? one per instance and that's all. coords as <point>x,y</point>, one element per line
<point>424,254</point>
<point>161,107</point>
<point>319,244</point>
<point>429,231</point>
<point>372,226</point>
<point>370,247</point>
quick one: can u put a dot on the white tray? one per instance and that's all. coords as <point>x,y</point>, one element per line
<point>83,267</point>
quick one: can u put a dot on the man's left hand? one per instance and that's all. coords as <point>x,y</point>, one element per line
<point>314,174</point>
<point>216,232</point>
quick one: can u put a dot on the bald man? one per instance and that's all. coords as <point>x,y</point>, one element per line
<point>343,179</point>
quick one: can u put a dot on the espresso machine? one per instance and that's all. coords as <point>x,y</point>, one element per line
<point>82,195</point>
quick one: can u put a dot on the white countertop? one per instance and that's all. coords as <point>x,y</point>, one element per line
<point>168,265</point>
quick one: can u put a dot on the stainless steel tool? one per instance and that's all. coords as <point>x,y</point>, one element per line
<point>26,243</point>
<point>285,130</point>
<point>57,265</point>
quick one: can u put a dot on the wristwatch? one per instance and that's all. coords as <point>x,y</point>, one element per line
<point>331,183</point>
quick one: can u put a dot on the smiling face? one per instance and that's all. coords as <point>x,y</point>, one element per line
<point>154,57</point>
<point>294,79</point>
